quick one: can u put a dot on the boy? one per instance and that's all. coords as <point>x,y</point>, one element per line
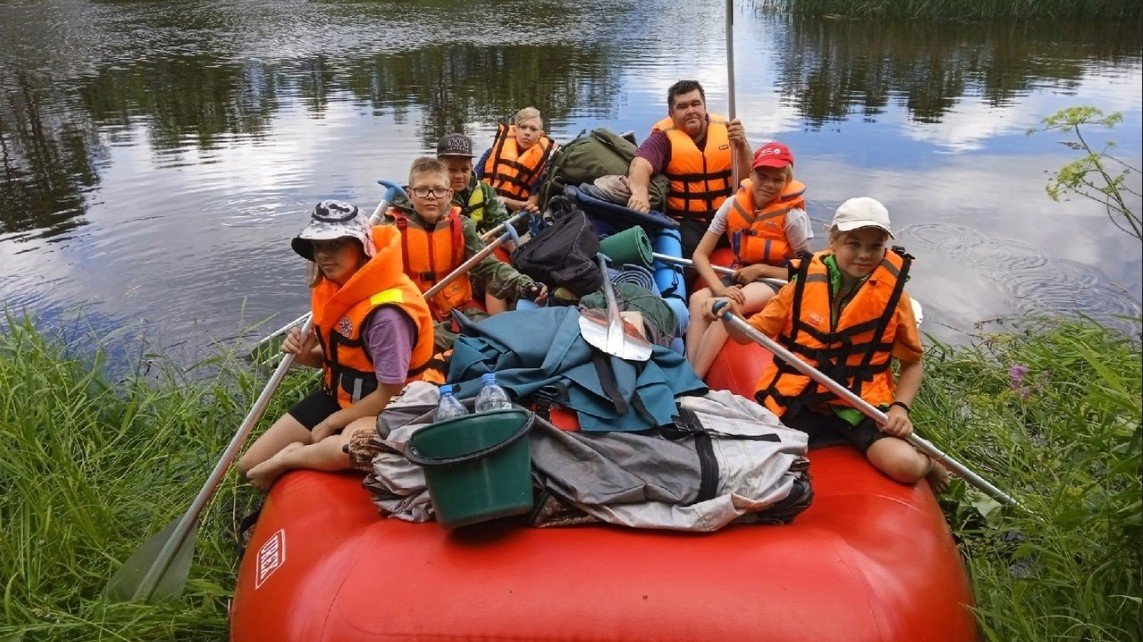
<point>436,239</point>
<point>475,198</point>
<point>515,163</point>
<point>847,313</point>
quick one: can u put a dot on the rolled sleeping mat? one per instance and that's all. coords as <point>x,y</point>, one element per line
<point>632,245</point>
<point>636,274</point>
<point>668,276</point>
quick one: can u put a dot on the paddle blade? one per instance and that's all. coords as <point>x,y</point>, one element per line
<point>613,336</point>
<point>125,585</point>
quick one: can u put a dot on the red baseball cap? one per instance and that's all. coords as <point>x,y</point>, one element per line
<point>772,155</point>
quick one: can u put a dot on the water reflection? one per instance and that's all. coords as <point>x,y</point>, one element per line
<point>831,69</point>
<point>156,156</point>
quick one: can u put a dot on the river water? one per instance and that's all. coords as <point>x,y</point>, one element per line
<point>158,156</point>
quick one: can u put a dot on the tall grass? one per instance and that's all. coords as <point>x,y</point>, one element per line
<point>1051,414</point>
<point>973,10</point>
<point>89,468</point>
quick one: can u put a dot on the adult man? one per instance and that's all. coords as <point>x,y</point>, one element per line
<point>697,153</point>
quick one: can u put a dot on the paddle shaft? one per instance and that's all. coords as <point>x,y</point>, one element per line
<point>190,519</point>
<point>717,268</point>
<point>730,81</point>
<point>468,264</point>
<point>864,406</point>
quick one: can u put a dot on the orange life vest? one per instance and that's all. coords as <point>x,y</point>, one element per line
<point>510,172</point>
<point>430,255</point>
<point>340,313</point>
<point>854,350</point>
<point>759,235</point>
<point>700,179</point>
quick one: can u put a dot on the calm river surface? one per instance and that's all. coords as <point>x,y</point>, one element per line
<point>158,156</point>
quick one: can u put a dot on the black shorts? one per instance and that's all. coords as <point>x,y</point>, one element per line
<point>831,430</point>
<point>728,280</point>
<point>314,409</point>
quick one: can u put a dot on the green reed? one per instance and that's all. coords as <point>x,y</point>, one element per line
<point>90,468</point>
<point>963,9</point>
<point>1051,414</point>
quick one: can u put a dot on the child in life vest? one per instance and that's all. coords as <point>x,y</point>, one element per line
<point>436,240</point>
<point>372,334</point>
<point>475,198</point>
<point>847,314</point>
<point>766,225</point>
<point>515,163</point>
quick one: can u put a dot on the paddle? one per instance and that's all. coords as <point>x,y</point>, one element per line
<point>717,268</point>
<point>509,233</point>
<point>161,565</point>
<point>730,81</point>
<point>608,335</point>
<point>864,406</point>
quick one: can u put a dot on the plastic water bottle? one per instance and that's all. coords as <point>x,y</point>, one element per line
<point>492,396</point>
<point>449,406</point>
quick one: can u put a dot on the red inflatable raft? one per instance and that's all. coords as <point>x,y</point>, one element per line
<point>870,559</point>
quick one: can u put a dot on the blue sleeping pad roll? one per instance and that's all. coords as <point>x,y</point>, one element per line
<point>669,277</point>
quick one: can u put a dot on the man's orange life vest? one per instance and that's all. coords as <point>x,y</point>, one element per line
<point>340,314</point>
<point>430,255</point>
<point>700,179</point>
<point>759,235</point>
<point>854,350</point>
<point>510,172</point>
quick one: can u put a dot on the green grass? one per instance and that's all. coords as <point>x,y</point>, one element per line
<point>1051,415</point>
<point>970,10</point>
<point>91,467</point>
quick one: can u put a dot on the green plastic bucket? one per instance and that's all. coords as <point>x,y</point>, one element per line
<point>477,467</point>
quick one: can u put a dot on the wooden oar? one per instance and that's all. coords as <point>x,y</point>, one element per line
<point>161,565</point>
<point>864,406</point>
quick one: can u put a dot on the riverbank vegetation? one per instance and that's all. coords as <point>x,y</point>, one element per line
<point>973,10</point>
<point>1050,412</point>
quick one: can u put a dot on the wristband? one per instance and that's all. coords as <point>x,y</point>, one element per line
<point>902,404</point>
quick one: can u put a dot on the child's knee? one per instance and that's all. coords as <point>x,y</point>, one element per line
<point>897,460</point>
<point>698,299</point>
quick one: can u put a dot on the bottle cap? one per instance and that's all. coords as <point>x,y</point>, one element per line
<point>488,377</point>
<point>446,389</point>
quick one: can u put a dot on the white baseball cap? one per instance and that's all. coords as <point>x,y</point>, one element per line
<point>334,220</point>
<point>860,212</point>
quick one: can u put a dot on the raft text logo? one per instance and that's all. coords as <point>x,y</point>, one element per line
<point>271,556</point>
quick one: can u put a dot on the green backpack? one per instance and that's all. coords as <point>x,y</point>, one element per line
<point>591,155</point>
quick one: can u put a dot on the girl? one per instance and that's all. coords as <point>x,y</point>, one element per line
<point>766,225</point>
<point>847,313</point>
<point>363,306</point>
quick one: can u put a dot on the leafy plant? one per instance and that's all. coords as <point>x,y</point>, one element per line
<point>1098,175</point>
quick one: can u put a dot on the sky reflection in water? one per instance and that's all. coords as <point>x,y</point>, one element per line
<point>159,172</point>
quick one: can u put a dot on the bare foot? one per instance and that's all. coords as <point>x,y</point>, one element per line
<point>266,473</point>
<point>938,477</point>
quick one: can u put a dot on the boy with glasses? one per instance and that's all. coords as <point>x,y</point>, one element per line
<point>436,239</point>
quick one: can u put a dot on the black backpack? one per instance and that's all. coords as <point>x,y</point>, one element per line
<point>562,254</point>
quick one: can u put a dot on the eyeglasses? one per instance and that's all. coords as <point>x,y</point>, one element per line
<point>426,192</point>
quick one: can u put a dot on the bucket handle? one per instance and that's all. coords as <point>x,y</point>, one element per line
<point>412,455</point>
